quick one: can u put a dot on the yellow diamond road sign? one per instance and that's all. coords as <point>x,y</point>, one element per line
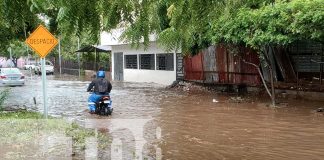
<point>41,41</point>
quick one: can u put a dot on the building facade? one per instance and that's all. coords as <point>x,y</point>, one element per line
<point>152,64</point>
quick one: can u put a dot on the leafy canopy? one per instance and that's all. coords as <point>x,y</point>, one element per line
<point>189,25</point>
<point>276,24</point>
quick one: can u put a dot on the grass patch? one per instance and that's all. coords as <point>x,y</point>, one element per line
<point>28,128</point>
<point>20,115</point>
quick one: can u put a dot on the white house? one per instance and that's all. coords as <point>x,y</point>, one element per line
<point>138,65</point>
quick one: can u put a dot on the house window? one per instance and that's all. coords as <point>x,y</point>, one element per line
<point>147,61</point>
<point>165,62</point>
<point>131,61</point>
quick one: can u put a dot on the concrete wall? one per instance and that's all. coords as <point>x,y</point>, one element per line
<point>138,75</point>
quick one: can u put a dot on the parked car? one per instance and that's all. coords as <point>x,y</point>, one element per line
<point>11,77</point>
<point>30,66</point>
<point>49,68</point>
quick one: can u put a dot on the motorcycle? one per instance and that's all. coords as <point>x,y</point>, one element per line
<point>103,106</point>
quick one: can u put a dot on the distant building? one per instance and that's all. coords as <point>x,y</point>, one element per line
<point>138,65</point>
<point>4,62</point>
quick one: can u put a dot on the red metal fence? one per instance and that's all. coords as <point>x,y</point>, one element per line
<point>216,65</point>
<point>193,66</point>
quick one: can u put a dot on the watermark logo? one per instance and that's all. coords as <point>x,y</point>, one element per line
<point>124,139</point>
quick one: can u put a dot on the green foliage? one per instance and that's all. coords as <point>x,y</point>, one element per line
<point>170,39</point>
<point>189,25</point>
<point>103,61</point>
<point>276,24</point>
<point>67,19</point>
<point>79,134</point>
<point>18,49</point>
<point>3,96</point>
<point>16,20</point>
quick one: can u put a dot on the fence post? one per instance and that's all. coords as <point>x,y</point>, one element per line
<point>60,58</point>
<point>79,57</point>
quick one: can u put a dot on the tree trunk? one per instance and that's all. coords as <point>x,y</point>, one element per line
<point>262,77</point>
<point>267,50</point>
<point>273,94</point>
<point>14,61</point>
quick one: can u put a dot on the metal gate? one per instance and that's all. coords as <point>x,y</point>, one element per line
<point>118,64</point>
<point>179,66</point>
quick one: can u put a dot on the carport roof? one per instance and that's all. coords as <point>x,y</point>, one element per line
<point>92,48</point>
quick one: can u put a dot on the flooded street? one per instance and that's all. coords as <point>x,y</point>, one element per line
<point>191,125</point>
<point>198,129</point>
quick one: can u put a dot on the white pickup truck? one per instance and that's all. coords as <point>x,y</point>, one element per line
<point>30,66</point>
<point>49,68</point>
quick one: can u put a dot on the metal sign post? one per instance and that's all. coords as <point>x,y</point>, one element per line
<point>10,51</point>
<point>44,87</point>
<point>42,42</point>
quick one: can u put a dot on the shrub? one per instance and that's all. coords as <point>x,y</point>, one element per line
<point>3,96</point>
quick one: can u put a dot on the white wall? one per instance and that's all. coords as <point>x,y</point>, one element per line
<point>138,75</point>
<point>155,76</point>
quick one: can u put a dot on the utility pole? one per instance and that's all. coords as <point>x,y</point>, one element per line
<point>10,51</point>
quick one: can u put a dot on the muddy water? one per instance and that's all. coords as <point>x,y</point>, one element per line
<point>192,126</point>
<point>196,128</point>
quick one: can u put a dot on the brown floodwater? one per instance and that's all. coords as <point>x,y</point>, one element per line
<point>193,125</point>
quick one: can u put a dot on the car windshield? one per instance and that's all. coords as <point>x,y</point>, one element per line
<point>10,71</point>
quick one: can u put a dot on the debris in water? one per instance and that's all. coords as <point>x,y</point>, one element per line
<point>187,86</point>
<point>215,101</point>
<point>320,110</point>
<point>34,98</point>
<point>236,99</point>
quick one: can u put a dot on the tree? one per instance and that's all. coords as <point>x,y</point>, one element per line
<point>178,24</point>
<point>191,21</point>
<point>16,20</point>
<point>277,24</point>
<point>67,20</point>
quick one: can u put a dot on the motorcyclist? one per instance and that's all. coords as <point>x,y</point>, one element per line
<point>100,87</point>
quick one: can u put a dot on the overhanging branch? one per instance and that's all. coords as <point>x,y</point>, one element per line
<point>259,71</point>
